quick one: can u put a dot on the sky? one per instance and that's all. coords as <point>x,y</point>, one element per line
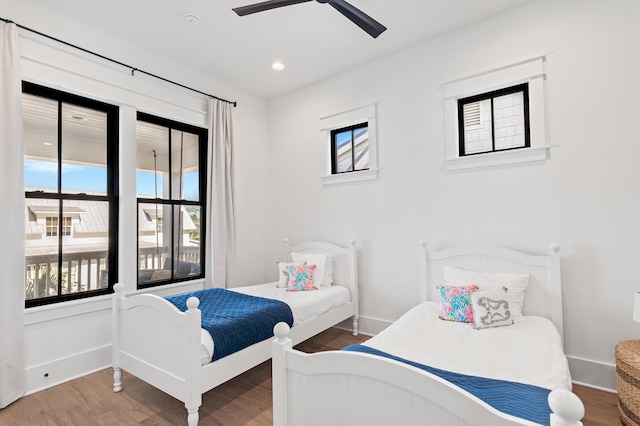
<point>42,175</point>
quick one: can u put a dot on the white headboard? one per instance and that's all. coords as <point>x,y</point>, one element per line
<point>544,292</point>
<point>343,259</point>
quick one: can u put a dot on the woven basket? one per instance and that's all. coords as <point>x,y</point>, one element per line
<point>628,381</point>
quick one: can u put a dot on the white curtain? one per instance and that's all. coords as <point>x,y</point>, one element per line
<point>220,210</point>
<point>12,374</point>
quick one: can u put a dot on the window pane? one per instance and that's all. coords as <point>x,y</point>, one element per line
<point>509,121</point>
<point>41,249</point>
<point>477,127</point>
<point>361,137</point>
<point>188,242</point>
<point>185,165</point>
<point>154,240</point>
<point>84,150</point>
<point>85,244</point>
<point>344,154</point>
<point>152,160</point>
<point>67,220</point>
<point>40,123</point>
<point>169,232</point>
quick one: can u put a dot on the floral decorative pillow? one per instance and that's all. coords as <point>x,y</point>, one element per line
<point>455,303</point>
<point>320,260</point>
<point>283,272</point>
<point>301,278</point>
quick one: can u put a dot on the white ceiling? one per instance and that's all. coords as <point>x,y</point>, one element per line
<point>313,40</point>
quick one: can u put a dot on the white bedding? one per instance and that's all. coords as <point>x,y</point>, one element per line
<point>305,306</point>
<point>529,351</point>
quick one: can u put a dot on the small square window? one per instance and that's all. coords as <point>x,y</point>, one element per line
<point>494,121</point>
<point>350,149</point>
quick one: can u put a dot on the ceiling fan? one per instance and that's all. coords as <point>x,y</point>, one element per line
<point>358,17</point>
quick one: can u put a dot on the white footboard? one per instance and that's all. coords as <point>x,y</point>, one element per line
<point>348,388</point>
<point>156,342</point>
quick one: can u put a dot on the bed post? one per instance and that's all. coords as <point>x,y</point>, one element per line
<point>287,249</point>
<point>280,345</point>
<point>566,408</point>
<point>118,295</point>
<point>194,396</point>
<point>555,287</point>
<point>353,277</point>
<point>424,285</point>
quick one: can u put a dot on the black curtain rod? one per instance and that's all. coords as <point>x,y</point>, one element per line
<point>133,69</point>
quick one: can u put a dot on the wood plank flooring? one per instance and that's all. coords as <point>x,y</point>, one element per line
<point>245,400</point>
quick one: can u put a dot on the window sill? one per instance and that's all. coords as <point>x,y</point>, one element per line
<point>55,311</point>
<point>496,159</point>
<point>358,176</point>
<point>91,305</point>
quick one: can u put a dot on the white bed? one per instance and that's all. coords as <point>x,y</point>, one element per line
<point>351,388</point>
<point>163,346</point>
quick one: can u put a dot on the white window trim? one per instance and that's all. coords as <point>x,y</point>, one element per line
<point>528,71</point>
<point>366,113</point>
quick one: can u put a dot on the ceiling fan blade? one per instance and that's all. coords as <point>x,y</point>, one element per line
<point>358,17</point>
<point>265,5</point>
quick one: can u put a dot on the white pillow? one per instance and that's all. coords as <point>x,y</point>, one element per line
<point>283,272</point>
<point>491,308</point>
<point>320,260</point>
<point>515,283</point>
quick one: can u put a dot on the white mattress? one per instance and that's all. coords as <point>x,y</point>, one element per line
<point>529,351</point>
<point>305,306</point>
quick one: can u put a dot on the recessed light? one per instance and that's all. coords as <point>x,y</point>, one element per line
<point>192,19</point>
<point>47,143</point>
<point>277,66</point>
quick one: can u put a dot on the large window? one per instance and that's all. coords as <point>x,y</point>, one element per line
<point>70,172</point>
<point>170,182</point>
<point>350,148</point>
<point>494,121</point>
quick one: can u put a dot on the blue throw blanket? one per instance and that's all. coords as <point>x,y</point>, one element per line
<point>517,399</point>
<point>235,320</point>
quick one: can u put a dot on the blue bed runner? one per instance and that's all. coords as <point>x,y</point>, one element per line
<point>235,320</point>
<point>517,399</point>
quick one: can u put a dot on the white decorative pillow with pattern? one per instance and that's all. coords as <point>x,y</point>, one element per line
<point>491,308</point>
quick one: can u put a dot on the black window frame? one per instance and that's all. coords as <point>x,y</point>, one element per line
<point>334,157</point>
<point>524,88</point>
<point>202,195</point>
<point>112,196</point>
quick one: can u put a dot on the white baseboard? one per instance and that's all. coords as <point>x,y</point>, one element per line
<point>366,325</point>
<point>593,374</point>
<point>46,375</point>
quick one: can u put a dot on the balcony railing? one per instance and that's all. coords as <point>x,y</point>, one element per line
<point>87,270</point>
<point>82,271</point>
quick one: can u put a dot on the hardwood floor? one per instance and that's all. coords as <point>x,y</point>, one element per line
<point>245,400</point>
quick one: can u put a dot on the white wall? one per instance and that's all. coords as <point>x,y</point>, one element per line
<point>585,197</point>
<point>70,339</point>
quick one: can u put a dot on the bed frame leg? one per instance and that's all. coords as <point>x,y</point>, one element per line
<point>193,417</point>
<point>355,326</point>
<point>117,379</point>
